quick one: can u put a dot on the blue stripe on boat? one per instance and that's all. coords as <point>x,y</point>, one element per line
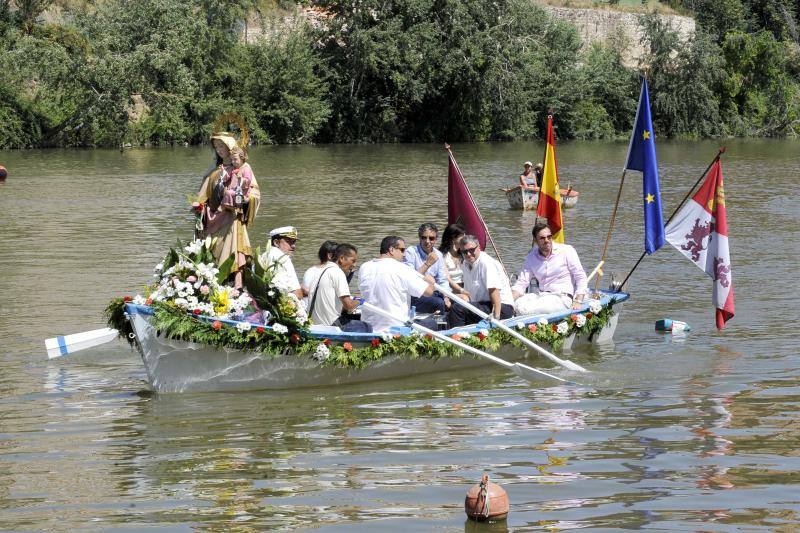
<point>62,346</point>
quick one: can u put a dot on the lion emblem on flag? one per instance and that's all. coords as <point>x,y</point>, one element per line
<point>694,239</point>
<point>721,271</point>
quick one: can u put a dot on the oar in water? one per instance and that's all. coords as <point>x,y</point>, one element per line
<point>67,344</point>
<point>488,316</point>
<point>523,371</point>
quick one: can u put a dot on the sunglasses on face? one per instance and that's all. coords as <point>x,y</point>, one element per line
<point>424,238</point>
<point>545,237</point>
<point>290,241</point>
<point>403,249</point>
<point>469,251</point>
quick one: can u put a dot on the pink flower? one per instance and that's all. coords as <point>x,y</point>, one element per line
<point>217,325</point>
<point>204,289</point>
<point>235,293</point>
<point>191,279</point>
<point>347,347</point>
<point>532,328</point>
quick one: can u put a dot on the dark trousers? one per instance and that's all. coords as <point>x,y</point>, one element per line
<point>429,304</point>
<point>460,316</point>
<point>352,325</point>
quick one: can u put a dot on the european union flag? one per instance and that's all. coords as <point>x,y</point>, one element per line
<point>642,157</point>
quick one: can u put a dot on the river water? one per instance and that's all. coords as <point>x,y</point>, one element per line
<point>697,432</point>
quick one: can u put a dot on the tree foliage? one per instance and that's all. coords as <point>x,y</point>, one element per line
<point>160,71</point>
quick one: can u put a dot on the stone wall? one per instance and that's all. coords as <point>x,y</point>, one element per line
<point>600,25</point>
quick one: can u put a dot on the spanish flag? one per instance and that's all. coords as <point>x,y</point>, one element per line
<point>550,193</point>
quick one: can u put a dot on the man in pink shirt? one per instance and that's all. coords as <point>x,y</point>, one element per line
<point>557,269</point>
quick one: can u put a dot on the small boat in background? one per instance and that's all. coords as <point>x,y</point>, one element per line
<point>519,198</point>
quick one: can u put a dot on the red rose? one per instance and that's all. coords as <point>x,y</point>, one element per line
<point>574,318</point>
<point>375,342</point>
<point>259,329</point>
<point>589,315</point>
<point>217,325</point>
<point>347,347</point>
<point>196,311</point>
<point>555,327</point>
<point>127,299</point>
<point>532,328</point>
<point>294,338</point>
<point>149,301</point>
<point>327,342</point>
<point>481,335</point>
<point>429,336</point>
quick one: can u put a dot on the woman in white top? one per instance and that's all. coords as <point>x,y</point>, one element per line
<point>325,254</point>
<point>451,239</point>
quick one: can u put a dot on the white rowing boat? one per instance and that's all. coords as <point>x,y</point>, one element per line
<point>519,198</point>
<point>178,366</point>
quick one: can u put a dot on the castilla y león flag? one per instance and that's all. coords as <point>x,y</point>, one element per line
<point>461,207</point>
<point>700,232</point>
<point>550,193</point>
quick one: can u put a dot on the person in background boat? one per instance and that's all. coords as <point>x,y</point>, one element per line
<point>539,171</point>
<point>283,242</point>
<point>427,260</point>
<point>330,303</point>
<point>230,197</point>
<point>557,269</point>
<point>527,180</point>
<point>486,286</point>
<point>389,284</point>
<point>325,254</point>
<point>450,248</point>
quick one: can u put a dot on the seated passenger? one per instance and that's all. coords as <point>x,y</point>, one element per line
<point>451,250</point>
<point>486,286</point>
<point>427,260</point>
<point>557,269</point>
<point>330,293</point>
<point>325,254</point>
<point>387,283</point>
<point>283,242</point>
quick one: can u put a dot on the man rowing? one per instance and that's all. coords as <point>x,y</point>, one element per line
<point>387,283</point>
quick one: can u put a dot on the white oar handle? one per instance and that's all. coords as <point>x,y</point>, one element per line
<point>595,271</point>
<point>486,316</point>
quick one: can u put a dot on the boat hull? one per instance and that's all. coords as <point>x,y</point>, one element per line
<point>179,366</point>
<point>519,198</point>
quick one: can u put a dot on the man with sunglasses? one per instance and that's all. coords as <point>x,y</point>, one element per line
<point>426,259</point>
<point>486,286</point>
<point>387,283</point>
<point>558,271</point>
<point>283,242</point>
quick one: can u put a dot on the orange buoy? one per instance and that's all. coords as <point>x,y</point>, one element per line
<point>3,173</point>
<point>486,501</point>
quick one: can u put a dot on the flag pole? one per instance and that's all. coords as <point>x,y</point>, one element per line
<point>610,229</point>
<point>485,227</point>
<point>703,175</point>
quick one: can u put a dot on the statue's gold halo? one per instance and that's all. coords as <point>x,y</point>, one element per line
<point>223,124</point>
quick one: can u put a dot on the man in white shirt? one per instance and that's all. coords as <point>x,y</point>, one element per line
<point>387,283</point>
<point>330,293</point>
<point>558,272</point>
<point>283,243</point>
<point>486,286</point>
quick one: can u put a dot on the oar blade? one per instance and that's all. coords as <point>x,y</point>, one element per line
<point>67,344</point>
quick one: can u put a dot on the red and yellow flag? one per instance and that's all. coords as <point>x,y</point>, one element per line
<point>550,193</point>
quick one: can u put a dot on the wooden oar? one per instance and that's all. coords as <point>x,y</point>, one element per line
<point>67,344</point>
<point>488,316</point>
<point>523,371</point>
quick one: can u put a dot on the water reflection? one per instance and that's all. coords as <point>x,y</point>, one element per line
<point>668,433</point>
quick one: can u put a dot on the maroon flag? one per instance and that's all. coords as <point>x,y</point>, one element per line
<point>700,232</point>
<point>461,207</point>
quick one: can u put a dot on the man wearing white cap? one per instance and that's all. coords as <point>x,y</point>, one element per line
<point>283,241</point>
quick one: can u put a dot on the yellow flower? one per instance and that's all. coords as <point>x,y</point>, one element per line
<point>221,300</point>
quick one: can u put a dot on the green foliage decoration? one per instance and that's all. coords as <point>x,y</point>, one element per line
<point>174,323</point>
